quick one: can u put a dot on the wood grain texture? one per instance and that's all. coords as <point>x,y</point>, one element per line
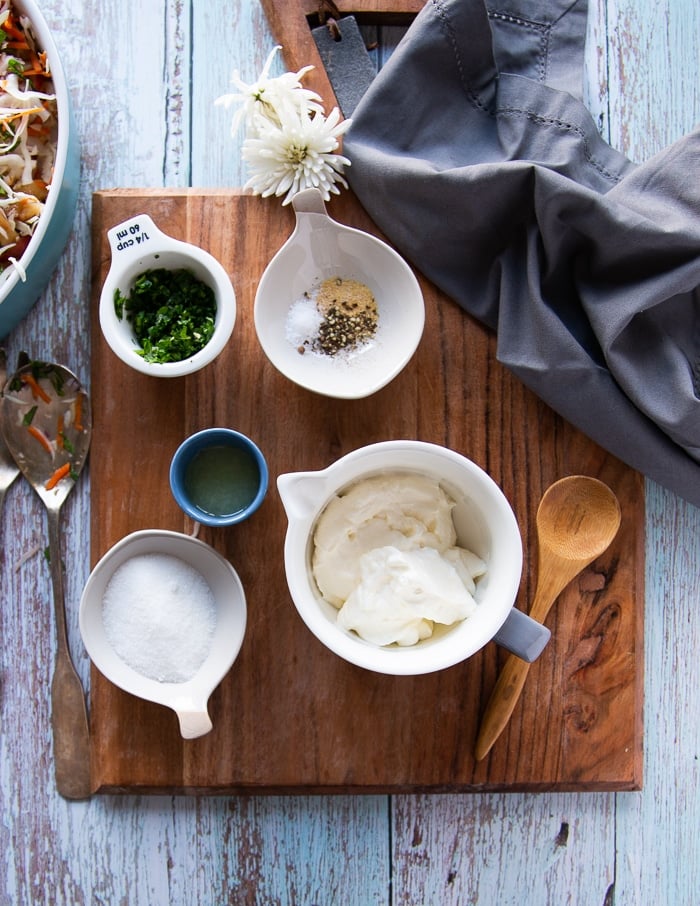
<point>633,849</point>
<point>290,715</point>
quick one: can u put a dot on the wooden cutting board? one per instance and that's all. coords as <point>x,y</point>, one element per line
<point>290,716</point>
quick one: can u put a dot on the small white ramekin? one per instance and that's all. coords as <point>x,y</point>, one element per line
<point>138,245</point>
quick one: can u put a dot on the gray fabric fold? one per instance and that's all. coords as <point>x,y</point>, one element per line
<point>474,154</point>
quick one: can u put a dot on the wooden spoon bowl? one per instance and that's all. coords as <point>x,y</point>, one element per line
<point>577,519</point>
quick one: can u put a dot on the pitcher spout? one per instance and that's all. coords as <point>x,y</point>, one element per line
<point>301,493</point>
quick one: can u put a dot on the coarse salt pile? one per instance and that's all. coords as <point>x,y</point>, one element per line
<point>303,321</point>
<point>159,616</point>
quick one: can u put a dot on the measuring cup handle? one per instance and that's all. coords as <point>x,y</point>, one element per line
<point>133,237</point>
<point>194,723</point>
<point>522,636</point>
<point>309,201</point>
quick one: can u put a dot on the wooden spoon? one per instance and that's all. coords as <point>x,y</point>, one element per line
<point>577,519</point>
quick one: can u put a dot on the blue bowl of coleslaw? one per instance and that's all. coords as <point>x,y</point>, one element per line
<point>35,229</point>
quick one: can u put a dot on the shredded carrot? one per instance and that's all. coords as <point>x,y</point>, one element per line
<point>37,66</point>
<point>13,30</point>
<point>37,390</point>
<point>60,473</point>
<point>19,114</point>
<point>78,413</point>
<point>39,435</point>
<point>59,432</point>
<point>9,27</point>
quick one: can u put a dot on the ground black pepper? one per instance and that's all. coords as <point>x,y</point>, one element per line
<point>349,312</point>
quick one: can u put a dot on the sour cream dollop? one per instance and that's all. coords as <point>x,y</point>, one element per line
<point>386,555</point>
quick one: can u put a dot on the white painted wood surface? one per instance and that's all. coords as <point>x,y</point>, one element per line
<point>143,78</point>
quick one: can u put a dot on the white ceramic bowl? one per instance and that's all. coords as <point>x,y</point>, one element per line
<point>188,699</point>
<point>137,245</point>
<point>319,249</point>
<point>41,256</point>
<point>484,522</point>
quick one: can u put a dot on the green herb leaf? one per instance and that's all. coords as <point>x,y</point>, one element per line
<point>67,444</point>
<point>172,313</point>
<point>29,416</point>
<point>119,301</point>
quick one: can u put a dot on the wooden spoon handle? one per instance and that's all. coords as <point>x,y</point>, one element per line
<point>501,704</point>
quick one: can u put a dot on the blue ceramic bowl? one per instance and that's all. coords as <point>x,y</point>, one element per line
<point>41,255</point>
<point>218,476</point>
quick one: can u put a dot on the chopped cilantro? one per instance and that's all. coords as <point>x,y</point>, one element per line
<point>67,444</point>
<point>58,380</point>
<point>172,313</point>
<point>29,416</point>
<point>47,370</point>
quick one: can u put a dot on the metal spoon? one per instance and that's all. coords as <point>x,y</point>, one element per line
<point>45,420</point>
<point>8,467</point>
<point>577,519</point>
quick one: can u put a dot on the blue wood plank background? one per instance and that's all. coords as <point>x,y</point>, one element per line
<point>143,79</point>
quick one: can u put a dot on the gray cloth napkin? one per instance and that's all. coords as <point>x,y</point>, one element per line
<point>474,154</point>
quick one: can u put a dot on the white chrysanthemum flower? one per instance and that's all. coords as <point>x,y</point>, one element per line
<point>262,100</point>
<point>296,154</point>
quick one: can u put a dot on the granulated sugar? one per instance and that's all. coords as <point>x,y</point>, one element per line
<point>159,616</point>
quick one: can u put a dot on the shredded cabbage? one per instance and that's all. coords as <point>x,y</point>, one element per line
<point>28,129</point>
